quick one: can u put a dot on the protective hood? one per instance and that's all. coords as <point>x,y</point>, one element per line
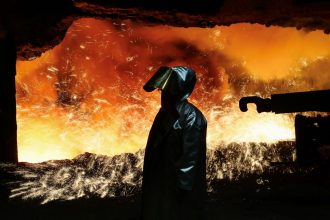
<point>179,81</point>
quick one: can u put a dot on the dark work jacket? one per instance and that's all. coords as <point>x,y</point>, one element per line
<point>174,175</point>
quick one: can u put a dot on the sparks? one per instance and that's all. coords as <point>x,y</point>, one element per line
<point>86,94</point>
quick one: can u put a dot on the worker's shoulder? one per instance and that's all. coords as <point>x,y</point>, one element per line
<point>192,114</point>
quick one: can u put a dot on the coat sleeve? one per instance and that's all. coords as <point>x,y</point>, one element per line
<point>190,154</point>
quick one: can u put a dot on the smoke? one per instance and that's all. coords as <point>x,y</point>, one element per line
<point>86,94</point>
<point>315,74</point>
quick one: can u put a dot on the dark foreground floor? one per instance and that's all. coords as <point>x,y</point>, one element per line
<point>128,209</point>
<point>255,197</point>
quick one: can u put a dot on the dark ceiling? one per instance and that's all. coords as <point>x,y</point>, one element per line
<point>40,25</point>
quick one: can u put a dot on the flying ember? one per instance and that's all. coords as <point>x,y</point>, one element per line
<point>86,95</point>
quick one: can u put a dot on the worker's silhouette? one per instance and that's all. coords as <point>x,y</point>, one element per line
<point>174,175</point>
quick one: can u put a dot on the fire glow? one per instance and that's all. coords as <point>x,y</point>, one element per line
<point>86,94</point>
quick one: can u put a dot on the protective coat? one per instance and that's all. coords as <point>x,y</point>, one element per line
<point>174,175</point>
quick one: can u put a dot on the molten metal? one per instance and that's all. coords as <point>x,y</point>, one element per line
<point>86,94</point>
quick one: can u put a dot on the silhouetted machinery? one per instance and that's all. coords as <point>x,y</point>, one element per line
<point>312,133</point>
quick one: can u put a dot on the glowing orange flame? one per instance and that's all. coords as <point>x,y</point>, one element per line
<point>86,94</point>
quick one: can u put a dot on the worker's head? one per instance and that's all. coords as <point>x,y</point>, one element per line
<point>176,84</point>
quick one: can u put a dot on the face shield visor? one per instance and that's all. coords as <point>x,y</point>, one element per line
<point>179,81</point>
